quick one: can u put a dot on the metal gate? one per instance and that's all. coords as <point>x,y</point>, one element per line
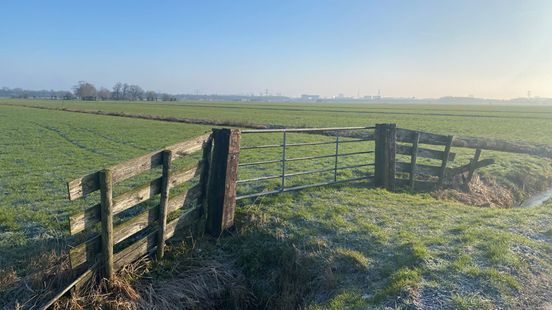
<point>333,136</point>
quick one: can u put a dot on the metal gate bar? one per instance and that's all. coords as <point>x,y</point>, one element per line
<point>284,145</point>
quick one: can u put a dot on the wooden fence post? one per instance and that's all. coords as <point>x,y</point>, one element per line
<point>413,159</point>
<point>106,193</point>
<point>221,201</point>
<point>164,203</point>
<point>385,156</point>
<point>446,154</point>
<point>205,172</point>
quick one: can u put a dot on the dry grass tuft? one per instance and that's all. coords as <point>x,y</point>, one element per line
<point>48,272</point>
<point>195,284</point>
<point>484,192</point>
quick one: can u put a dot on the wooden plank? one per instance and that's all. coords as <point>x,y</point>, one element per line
<point>137,250</point>
<point>466,168</point>
<point>420,169</point>
<point>473,164</point>
<point>86,252</point>
<point>413,158</point>
<point>83,186</point>
<point>423,152</point>
<point>407,135</point>
<point>89,183</point>
<point>91,216</point>
<point>89,249</point>
<point>148,243</point>
<point>221,200</point>
<point>541,150</point>
<point>187,219</point>
<point>106,191</point>
<point>136,196</point>
<point>164,203</point>
<point>84,220</point>
<point>445,161</point>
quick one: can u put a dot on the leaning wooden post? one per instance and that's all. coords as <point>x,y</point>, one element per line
<point>446,155</point>
<point>164,204</point>
<point>473,166</point>
<point>106,192</point>
<point>221,201</point>
<point>413,159</point>
<point>385,156</point>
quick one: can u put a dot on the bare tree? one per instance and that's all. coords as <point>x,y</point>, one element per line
<point>135,92</point>
<point>85,91</point>
<point>151,95</point>
<point>124,92</point>
<point>117,91</point>
<point>104,93</point>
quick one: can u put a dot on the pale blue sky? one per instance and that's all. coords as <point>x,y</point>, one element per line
<point>496,49</point>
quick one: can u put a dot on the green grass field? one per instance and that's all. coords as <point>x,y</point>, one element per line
<point>347,246</point>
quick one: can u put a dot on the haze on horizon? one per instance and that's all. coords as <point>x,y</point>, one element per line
<point>491,49</point>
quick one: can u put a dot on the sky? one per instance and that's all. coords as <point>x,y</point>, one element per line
<point>423,49</point>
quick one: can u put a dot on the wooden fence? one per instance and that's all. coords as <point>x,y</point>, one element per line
<point>143,233</point>
<point>212,201</point>
<point>392,141</point>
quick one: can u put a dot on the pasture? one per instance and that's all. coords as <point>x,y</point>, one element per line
<point>331,247</point>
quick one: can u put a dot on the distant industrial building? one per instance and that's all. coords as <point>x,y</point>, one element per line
<point>310,97</point>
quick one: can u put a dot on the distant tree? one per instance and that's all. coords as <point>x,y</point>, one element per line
<point>151,95</point>
<point>166,97</point>
<point>117,93</point>
<point>85,91</point>
<point>67,95</point>
<point>135,92</point>
<point>104,94</point>
<point>124,92</point>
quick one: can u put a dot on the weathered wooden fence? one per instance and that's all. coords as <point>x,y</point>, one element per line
<point>145,232</point>
<point>115,241</point>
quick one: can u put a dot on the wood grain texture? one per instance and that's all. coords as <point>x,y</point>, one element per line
<point>444,163</point>
<point>89,183</point>
<point>423,152</point>
<point>420,169</point>
<point>413,159</point>
<point>91,216</point>
<point>106,191</point>
<point>164,203</point>
<point>221,200</point>
<point>89,249</point>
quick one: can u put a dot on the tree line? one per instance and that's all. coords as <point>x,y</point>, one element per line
<point>120,91</point>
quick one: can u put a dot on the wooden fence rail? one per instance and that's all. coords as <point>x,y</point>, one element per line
<point>121,241</point>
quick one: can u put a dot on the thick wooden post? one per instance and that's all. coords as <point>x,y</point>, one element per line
<point>205,172</point>
<point>164,203</point>
<point>106,192</point>
<point>221,201</point>
<point>385,156</point>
